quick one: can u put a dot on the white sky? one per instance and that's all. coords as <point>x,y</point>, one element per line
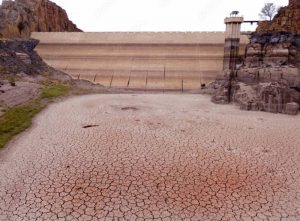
<point>159,15</point>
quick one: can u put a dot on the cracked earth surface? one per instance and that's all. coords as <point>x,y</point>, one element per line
<point>152,157</point>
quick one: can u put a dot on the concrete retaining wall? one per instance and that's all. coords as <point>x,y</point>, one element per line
<point>171,61</point>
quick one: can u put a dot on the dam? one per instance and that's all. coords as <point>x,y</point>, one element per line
<point>141,60</point>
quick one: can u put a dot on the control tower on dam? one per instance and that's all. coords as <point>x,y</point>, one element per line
<point>145,60</point>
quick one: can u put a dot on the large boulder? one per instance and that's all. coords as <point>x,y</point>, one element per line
<point>221,88</point>
<point>273,97</point>
<point>245,96</point>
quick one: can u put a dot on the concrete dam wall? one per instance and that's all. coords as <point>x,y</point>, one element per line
<point>169,61</point>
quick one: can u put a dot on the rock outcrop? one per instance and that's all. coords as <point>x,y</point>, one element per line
<point>287,20</point>
<point>23,73</point>
<point>273,50</point>
<point>21,17</point>
<point>294,3</point>
<point>269,78</point>
<point>18,57</point>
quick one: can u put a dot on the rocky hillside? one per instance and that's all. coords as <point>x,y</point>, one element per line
<point>21,17</point>
<point>18,57</point>
<point>22,72</point>
<point>287,20</point>
<point>268,80</point>
<point>269,77</point>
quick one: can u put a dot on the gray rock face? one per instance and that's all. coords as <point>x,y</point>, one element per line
<point>18,56</point>
<point>21,45</point>
<point>268,80</point>
<point>222,91</point>
<point>273,97</point>
<point>272,50</point>
<point>269,97</point>
<point>245,96</point>
<point>272,74</point>
<point>292,108</point>
<point>24,57</point>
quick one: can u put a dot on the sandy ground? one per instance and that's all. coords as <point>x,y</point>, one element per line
<point>21,93</point>
<point>163,157</point>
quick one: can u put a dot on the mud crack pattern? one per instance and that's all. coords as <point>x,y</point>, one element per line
<point>152,157</point>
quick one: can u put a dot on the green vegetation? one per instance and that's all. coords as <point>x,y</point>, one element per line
<point>54,90</point>
<point>17,119</point>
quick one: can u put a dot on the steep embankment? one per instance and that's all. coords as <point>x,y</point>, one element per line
<point>21,17</point>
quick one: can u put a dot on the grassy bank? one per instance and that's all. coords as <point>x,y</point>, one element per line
<point>17,119</point>
<point>54,90</point>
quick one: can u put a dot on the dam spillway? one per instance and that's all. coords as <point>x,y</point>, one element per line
<point>144,60</point>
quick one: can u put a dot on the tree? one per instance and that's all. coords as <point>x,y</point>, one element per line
<point>268,11</point>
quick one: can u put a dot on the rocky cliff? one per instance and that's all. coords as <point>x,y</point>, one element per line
<point>273,50</point>
<point>268,79</point>
<point>21,17</point>
<point>287,20</point>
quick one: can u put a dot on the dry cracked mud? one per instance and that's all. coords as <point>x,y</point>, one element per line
<point>152,157</point>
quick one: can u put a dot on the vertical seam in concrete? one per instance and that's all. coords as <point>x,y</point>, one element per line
<point>111,80</point>
<point>129,79</point>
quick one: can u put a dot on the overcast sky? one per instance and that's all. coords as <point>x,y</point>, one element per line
<point>159,15</point>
